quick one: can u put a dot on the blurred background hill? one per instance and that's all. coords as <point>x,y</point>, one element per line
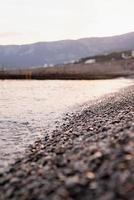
<point>65,51</point>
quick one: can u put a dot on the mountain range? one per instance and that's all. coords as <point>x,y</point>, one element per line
<point>46,53</point>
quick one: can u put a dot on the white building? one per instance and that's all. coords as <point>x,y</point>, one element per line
<point>72,61</point>
<point>132,54</point>
<point>128,55</point>
<point>51,65</point>
<point>125,56</point>
<point>45,65</point>
<point>90,61</point>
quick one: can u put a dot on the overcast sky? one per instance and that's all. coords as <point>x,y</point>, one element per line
<point>28,21</point>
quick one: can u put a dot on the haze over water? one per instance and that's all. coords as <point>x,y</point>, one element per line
<point>29,109</point>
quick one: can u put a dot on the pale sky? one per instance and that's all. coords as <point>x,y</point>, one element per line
<point>28,21</point>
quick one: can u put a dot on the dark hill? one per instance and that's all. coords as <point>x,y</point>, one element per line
<point>39,54</point>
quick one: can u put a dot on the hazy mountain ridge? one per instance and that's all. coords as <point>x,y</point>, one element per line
<point>41,53</point>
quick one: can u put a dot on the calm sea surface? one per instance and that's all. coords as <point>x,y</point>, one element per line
<point>28,109</point>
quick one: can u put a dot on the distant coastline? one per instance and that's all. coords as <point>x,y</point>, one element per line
<point>99,67</point>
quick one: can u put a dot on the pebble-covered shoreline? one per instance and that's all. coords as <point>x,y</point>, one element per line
<point>91,156</point>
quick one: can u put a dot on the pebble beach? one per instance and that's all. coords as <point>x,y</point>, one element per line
<point>89,156</point>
